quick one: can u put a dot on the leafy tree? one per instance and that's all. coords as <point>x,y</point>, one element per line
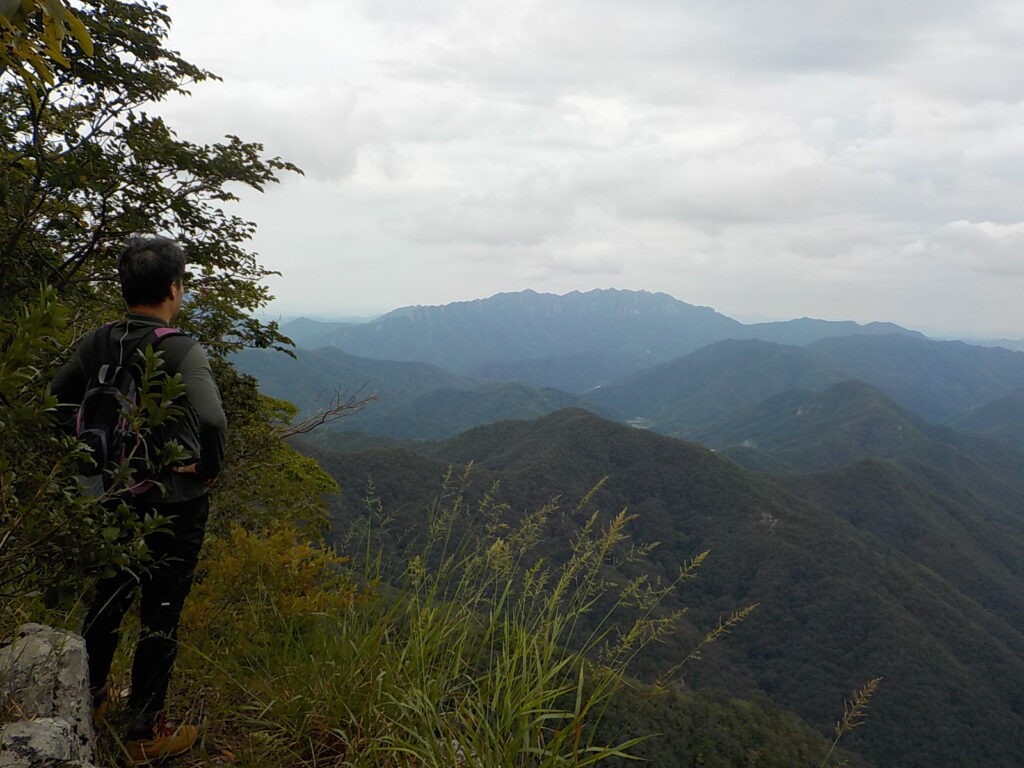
<point>83,165</point>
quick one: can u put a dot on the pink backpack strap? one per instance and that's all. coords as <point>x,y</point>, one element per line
<point>163,332</point>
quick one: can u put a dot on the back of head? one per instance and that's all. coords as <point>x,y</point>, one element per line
<point>147,266</point>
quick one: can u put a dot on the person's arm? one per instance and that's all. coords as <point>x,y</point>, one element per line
<point>204,397</point>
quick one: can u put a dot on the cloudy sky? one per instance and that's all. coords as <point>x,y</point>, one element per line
<point>831,158</point>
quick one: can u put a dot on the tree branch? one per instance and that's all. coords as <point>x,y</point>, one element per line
<point>340,408</point>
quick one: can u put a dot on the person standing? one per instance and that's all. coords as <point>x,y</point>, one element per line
<point>152,271</point>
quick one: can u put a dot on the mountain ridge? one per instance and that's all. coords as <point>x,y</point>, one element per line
<point>633,328</point>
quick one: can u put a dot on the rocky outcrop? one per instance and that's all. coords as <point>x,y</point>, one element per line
<point>44,681</point>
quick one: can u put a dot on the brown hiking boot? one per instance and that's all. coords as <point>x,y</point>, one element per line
<point>158,741</point>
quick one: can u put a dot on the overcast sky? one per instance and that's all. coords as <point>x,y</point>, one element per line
<point>839,159</point>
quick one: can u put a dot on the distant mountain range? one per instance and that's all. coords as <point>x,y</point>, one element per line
<point>1016,344</point>
<point>897,568</point>
<point>603,333</point>
<point>572,342</point>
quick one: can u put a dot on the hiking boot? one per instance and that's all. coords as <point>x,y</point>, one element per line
<point>158,739</point>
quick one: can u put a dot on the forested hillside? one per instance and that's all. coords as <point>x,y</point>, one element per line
<point>840,599</point>
<point>414,400</point>
<point>1001,419</point>
<point>950,499</point>
<point>947,382</point>
<point>711,382</point>
<point>935,380</point>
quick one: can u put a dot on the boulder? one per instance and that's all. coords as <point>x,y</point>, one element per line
<point>44,680</point>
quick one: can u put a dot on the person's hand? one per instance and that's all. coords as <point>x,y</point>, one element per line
<point>193,469</point>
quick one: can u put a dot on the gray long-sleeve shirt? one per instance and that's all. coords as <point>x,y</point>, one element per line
<point>200,431</point>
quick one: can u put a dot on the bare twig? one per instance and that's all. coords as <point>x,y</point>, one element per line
<point>341,407</point>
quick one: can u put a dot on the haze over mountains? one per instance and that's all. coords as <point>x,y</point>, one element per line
<point>643,357</point>
<point>863,484</point>
<point>572,342</point>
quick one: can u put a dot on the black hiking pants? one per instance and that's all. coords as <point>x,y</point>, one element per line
<point>165,583</point>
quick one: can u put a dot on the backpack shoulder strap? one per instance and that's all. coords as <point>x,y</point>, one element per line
<point>163,332</point>
<point>100,348</point>
<point>173,356</point>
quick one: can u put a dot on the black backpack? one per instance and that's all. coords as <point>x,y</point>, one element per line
<point>101,421</point>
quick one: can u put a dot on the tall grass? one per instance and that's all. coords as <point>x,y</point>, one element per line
<point>481,654</point>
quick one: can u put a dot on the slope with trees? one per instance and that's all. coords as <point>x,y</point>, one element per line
<point>1001,419</point>
<point>838,603</point>
<point>935,380</point>
<point>312,377</point>
<point>948,499</point>
<point>711,382</point>
<point>415,401</point>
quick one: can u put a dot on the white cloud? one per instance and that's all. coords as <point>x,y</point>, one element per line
<point>777,159</point>
<point>982,246</point>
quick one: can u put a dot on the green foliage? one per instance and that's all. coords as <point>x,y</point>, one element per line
<point>709,729</point>
<point>82,165</point>
<point>52,537</point>
<point>32,33</point>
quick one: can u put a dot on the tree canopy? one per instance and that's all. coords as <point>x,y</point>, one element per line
<point>85,164</point>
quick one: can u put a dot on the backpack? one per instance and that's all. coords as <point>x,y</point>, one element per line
<point>101,421</point>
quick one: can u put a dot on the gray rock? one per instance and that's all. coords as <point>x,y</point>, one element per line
<point>35,742</point>
<point>44,676</point>
<point>42,743</point>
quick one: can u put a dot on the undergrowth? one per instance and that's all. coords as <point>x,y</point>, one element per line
<point>293,655</point>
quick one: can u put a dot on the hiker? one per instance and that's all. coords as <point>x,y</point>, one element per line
<point>152,270</point>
